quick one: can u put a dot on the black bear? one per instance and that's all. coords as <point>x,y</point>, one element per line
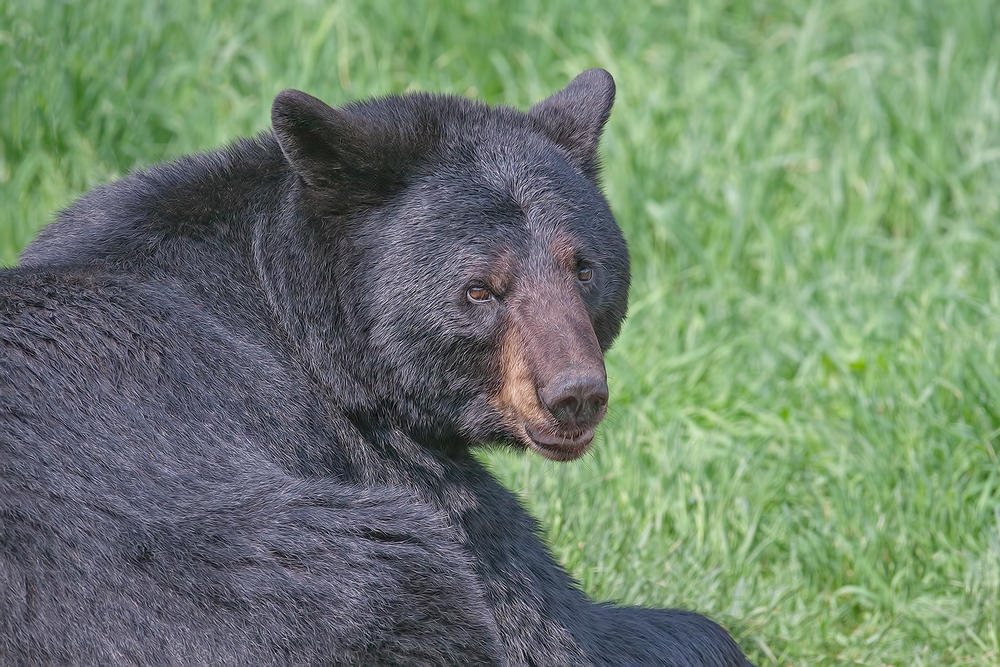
<point>239,393</point>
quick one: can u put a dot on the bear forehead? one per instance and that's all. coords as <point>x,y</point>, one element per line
<point>498,143</point>
<point>488,165</point>
<point>498,196</point>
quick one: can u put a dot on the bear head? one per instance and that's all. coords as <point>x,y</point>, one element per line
<point>457,262</point>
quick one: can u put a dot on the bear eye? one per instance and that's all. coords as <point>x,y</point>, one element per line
<point>585,274</point>
<point>479,294</point>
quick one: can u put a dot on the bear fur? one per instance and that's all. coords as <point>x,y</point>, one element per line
<point>239,392</point>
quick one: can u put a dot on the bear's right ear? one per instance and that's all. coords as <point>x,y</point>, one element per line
<point>349,160</point>
<point>574,117</point>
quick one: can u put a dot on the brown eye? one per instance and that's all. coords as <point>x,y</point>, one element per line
<point>585,274</point>
<point>479,294</point>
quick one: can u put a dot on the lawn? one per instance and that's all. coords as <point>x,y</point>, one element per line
<point>805,418</point>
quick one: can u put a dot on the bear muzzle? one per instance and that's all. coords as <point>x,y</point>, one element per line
<point>577,402</point>
<point>554,391</point>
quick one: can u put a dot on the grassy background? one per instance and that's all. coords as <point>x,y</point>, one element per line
<point>806,397</point>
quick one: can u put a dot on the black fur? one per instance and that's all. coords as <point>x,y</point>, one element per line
<point>238,393</point>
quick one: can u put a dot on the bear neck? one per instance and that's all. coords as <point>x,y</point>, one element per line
<point>307,267</point>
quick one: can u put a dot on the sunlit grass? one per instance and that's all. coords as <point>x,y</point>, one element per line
<point>806,397</point>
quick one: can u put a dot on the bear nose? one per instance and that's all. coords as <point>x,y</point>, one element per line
<point>575,400</point>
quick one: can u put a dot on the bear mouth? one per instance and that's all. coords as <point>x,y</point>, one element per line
<point>560,446</point>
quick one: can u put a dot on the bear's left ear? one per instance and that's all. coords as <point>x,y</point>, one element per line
<point>574,117</point>
<point>347,159</point>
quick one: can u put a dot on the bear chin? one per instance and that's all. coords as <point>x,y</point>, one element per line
<point>559,447</point>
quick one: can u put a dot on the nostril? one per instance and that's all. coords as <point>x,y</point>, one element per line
<point>599,395</point>
<point>575,402</point>
<point>566,408</point>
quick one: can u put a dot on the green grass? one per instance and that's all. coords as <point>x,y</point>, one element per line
<point>806,397</point>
